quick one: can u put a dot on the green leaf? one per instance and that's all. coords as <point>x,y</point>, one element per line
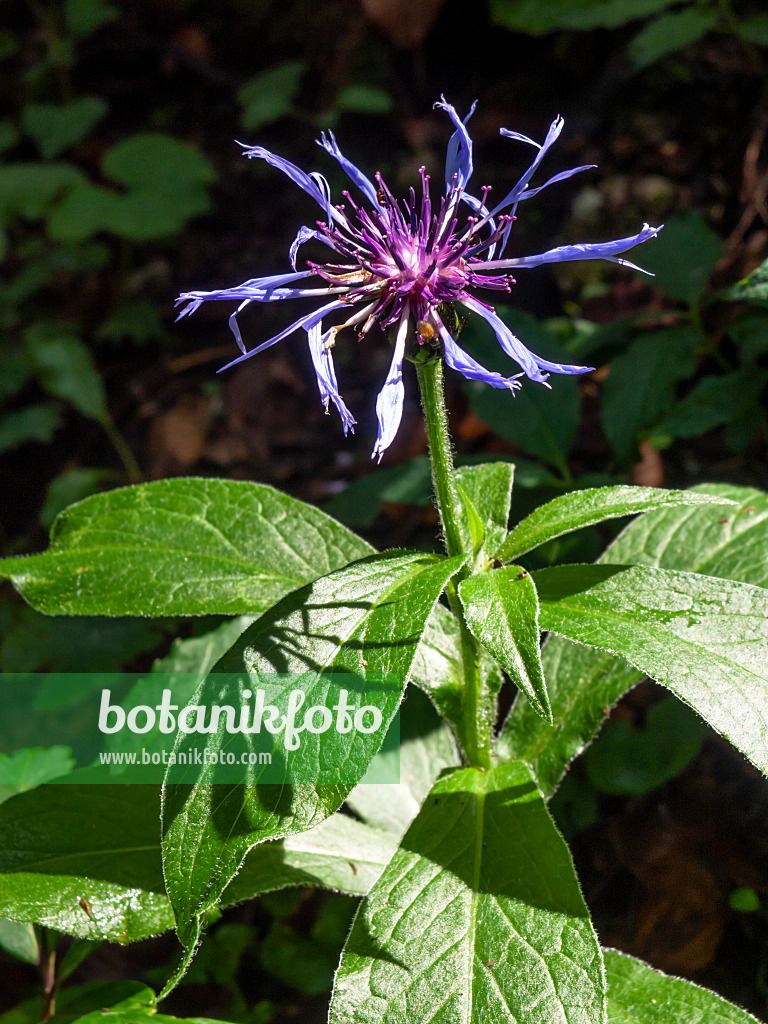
<point>439,670</point>
<point>138,320</point>
<point>360,502</point>
<point>96,644</point>
<point>540,16</point>
<point>269,96</point>
<point>542,421</point>
<point>714,401</point>
<point>8,134</point>
<point>67,488</point>
<point>705,639</point>
<point>628,760</point>
<point>438,667</point>
<point>754,29</point>
<point>683,256</point>
<point>37,422</point>
<point>582,684</point>
<point>65,368</point>
<point>364,99</point>
<point>31,766</point>
<point>86,16</point>
<point>426,747</point>
<point>671,32</point>
<point>502,611</point>
<point>339,853</point>
<point>163,185</point>
<point>72,1003</point>
<point>640,388</point>
<point>594,505</point>
<point>367,619</point>
<point>478,917</point>
<point>729,543</point>
<point>639,994</point>
<point>183,546</point>
<point>55,127</point>
<point>29,189</point>
<point>64,844</point>
<point>488,487</point>
<point>19,939</point>
<point>754,287</point>
<point>750,332</point>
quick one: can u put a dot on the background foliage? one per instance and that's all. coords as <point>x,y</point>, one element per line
<point>121,185</point>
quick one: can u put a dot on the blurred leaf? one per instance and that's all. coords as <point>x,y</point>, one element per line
<point>269,96</point>
<point>9,44</point>
<point>36,422</point>
<point>426,747</point>
<point>83,17</point>
<point>69,487</point>
<point>18,938</point>
<point>744,900</point>
<point>540,16</point>
<point>72,1002</point>
<point>359,503</point>
<point>137,320</point>
<point>638,993</point>
<point>65,368</point>
<point>8,134</point>
<point>56,127</point>
<point>32,766</point>
<point>750,333</point>
<point>364,99</point>
<point>754,30</point>
<point>29,189</point>
<point>542,421</point>
<point>627,760</point>
<point>164,186</point>
<point>754,286</point>
<point>66,644</point>
<point>641,386</point>
<point>713,401</point>
<point>670,32</point>
<point>683,256</point>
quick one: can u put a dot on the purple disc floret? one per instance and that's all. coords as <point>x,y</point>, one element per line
<point>396,262</point>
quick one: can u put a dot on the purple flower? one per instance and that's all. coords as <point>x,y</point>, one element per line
<point>397,263</point>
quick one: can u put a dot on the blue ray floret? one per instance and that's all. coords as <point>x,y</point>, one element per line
<point>398,262</point>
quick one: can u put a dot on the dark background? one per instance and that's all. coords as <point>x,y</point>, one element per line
<point>122,185</point>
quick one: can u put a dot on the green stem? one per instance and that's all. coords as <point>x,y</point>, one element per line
<point>132,468</point>
<point>474,727</point>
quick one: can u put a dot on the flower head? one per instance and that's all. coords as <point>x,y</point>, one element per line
<point>398,264</point>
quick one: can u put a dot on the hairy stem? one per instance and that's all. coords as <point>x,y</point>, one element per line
<point>473,730</point>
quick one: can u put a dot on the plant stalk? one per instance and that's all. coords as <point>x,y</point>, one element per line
<point>474,733</point>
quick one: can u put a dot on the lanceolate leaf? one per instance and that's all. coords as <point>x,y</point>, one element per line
<point>731,543</point>
<point>366,619</point>
<point>583,683</point>
<point>704,638</point>
<point>639,994</point>
<point>502,611</point>
<point>583,508</point>
<point>181,547</point>
<point>478,917</point>
<point>426,747</point>
<point>64,844</point>
<point>84,860</point>
<point>488,486</point>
